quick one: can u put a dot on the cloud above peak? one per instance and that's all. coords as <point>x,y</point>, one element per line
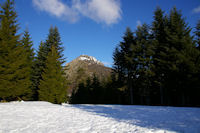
<point>102,11</point>
<point>196,10</point>
<point>56,8</point>
<point>105,11</point>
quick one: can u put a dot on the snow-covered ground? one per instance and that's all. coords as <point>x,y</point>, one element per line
<point>44,117</point>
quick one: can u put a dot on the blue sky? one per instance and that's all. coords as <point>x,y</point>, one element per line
<point>94,27</point>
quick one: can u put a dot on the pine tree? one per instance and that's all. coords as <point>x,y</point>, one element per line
<point>173,56</point>
<point>96,90</point>
<point>28,44</point>
<point>197,33</point>
<point>181,57</point>
<point>197,42</point>
<point>196,77</point>
<point>53,85</point>
<point>125,61</point>
<point>38,69</point>
<point>53,39</point>
<point>161,48</point>
<point>119,70</point>
<point>29,54</point>
<point>14,72</point>
<point>144,68</point>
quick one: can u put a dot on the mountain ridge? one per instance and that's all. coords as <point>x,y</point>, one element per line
<point>84,67</point>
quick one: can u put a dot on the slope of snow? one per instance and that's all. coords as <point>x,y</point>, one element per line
<point>83,58</point>
<point>44,117</point>
<point>89,58</point>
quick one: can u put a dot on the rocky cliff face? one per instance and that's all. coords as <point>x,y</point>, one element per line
<point>83,67</point>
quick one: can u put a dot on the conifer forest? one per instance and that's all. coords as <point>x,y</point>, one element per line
<point>156,64</point>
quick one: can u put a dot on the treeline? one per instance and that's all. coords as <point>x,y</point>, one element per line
<point>96,91</point>
<point>160,64</point>
<point>157,64</point>
<point>24,76</point>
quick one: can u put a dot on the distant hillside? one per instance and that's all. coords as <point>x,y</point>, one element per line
<point>83,67</point>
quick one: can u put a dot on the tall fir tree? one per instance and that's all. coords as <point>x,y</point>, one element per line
<point>119,70</point>
<point>161,48</point>
<point>14,72</point>
<point>53,39</point>
<point>124,61</point>
<point>145,64</point>
<point>197,42</point>
<point>29,54</point>
<point>180,56</point>
<point>38,69</point>
<point>53,85</point>
<point>197,34</point>
<point>196,76</point>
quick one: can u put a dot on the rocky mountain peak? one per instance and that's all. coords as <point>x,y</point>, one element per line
<point>89,59</point>
<point>84,67</point>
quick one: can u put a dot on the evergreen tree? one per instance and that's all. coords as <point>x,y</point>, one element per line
<point>144,68</point>
<point>173,58</point>
<point>119,70</point>
<point>80,95</point>
<point>180,57</point>
<point>14,72</point>
<point>29,54</point>
<point>159,33</point>
<point>53,39</point>
<point>27,44</point>
<point>53,85</point>
<point>196,77</point>
<point>197,33</point>
<point>96,90</point>
<point>197,43</point>
<point>38,69</point>
<point>125,61</point>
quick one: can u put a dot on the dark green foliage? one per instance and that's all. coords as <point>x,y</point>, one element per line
<point>14,71</point>
<point>180,60</point>
<point>38,68</point>
<point>95,92</point>
<point>143,80</point>
<point>20,74</point>
<point>155,65</point>
<point>160,46</point>
<point>27,44</point>
<point>161,64</point>
<point>83,93</point>
<point>29,55</point>
<point>53,85</point>
<point>197,33</point>
<point>125,62</point>
<point>54,40</point>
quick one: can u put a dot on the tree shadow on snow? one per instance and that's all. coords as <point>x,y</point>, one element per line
<point>167,118</point>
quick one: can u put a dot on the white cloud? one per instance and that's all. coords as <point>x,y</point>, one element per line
<point>101,11</point>
<point>104,11</point>
<point>56,8</point>
<point>196,10</point>
<point>139,23</point>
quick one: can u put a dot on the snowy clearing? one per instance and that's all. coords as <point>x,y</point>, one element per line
<point>44,117</point>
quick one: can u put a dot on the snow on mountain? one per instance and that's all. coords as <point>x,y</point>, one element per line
<point>84,67</point>
<point>44,117</point>
<point>89,58</point>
